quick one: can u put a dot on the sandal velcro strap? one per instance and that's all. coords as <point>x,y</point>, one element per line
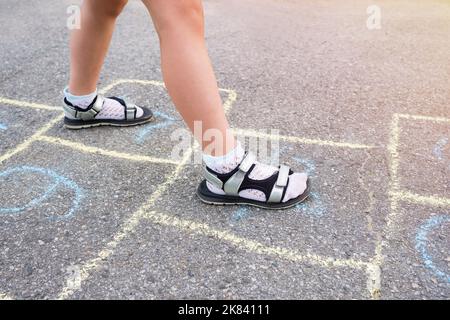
<point>212,178</point>
<point>129,109</point>
<point>233,184</point>
<point>84,114</point>
<point>282,182</point>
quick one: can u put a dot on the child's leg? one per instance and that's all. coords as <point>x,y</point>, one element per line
<point>89,46</point>
<point>191,83</point>
<point>186,67</point>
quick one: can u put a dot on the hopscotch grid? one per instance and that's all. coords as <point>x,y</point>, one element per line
<point>396,193</point>
<point>372,267</point>
<point>227,106</point>
<point>194,227</point>
<point>401,193</point>
<point>186,225</point>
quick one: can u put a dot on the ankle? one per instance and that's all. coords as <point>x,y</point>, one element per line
<point>227,162</point>
<point>81,101</point>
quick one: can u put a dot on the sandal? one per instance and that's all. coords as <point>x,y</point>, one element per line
<point>85,118</point>
<point>237,180</point>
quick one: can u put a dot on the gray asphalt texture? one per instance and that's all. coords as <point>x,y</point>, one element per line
<point>310,69</point>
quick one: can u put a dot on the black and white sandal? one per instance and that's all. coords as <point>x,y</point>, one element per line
<point>237,180</point>
<point>85,118</point>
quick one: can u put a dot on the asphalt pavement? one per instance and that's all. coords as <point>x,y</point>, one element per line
<point>107,213</point>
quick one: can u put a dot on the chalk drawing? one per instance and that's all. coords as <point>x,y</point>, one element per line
<point>438,149</point>
<point>310,167</point>
<point>58,181</point>
<point>191,227</point>
<point>240,214</point>
<point>314,206</point>
<point>3,126</point>
<point>148,129</point>
<point>422,241</point>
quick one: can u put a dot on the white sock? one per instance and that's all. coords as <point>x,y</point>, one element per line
<point>228,162</point>
<point>112,109</point>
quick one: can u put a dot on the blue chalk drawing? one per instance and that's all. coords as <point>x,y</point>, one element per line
<point>313,206</point>
<point>240,214</point>
<point>145,131</point>
<point>439,148</point>
<point>422,241</point>
<point>3,126</point>
<point>58,180</point>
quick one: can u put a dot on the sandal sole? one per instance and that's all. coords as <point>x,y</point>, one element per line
<point>80,124</point>
<point>208,197</point>
<point>106,123</point>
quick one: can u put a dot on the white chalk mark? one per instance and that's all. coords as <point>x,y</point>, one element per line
<point>130,224</point>
<point>4,297</point>
<point>109,153</point>
<point>32,105</point>
<point>433,201</point>
<point>252,246</point>
<point>24,145</point>
<point>320,142</point>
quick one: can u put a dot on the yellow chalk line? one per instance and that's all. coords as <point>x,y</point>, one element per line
<point>393,186</point>
<point>203,229</point>
<point>374,280</point>
<point>257,134</point>
<point>419,199</point>
<point>32,105</point>
<point>128,227</point>
<point>4,297</point>
<point>133,81</point>
<point>24,145</point>
<point>373,270</point>
<point>423,118</point>
<point>232,96</point>
<point>110,153</point>
<point>393,152</point>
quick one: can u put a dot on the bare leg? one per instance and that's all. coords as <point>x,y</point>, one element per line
<point>191,83</point>
<point>89,45</point>
<point>187,69</point>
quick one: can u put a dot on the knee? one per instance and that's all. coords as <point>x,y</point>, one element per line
<point>178,15</point>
